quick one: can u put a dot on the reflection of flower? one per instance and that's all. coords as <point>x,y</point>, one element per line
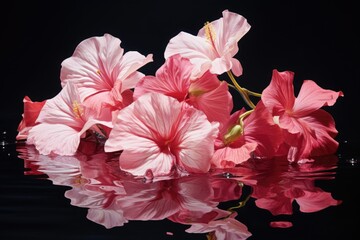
<point>114,197</point>
<point>182,119</point>
<point>277,185</point>
<point>222,229</point>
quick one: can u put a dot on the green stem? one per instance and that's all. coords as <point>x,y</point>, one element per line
<point>241,90</point>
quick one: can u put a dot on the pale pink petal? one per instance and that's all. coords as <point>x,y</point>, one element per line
<point>228,31</point>
<point>196,140</point>
<point>216,47</point>
<point>138,163</point>
<point>92,64</point>
<point>99,101</point>
<point>64,108</point>
<point>223,229</point>
<point>196,194</point>
<point>99,66</point>
<point>54,138</point>
<point>156,130</point>
<point>129,64</point>
<point>109,218</point>
<point>62,121</point>
<point>221,65</point>
<point>142,130</point>
<point>195,48</point>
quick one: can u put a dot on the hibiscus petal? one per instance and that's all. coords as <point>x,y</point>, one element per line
<point>64,108</point>
<point>138,162</point>
<point>195,48</point>
<point>54,138</point>
<point>172,79</point>
<point>216,104</point>
<point>196,140</point>
<point>129,64</point>
<point>279,95</point>
<point>312,97</point>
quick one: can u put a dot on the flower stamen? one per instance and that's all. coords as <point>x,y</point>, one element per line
<point>210,34</point>
<point>77,109</point>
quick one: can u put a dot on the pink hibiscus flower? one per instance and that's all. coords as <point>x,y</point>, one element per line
<point>214,46</point>
<point>157,133</point>
<point>103,73</point>
<point>240,138</point>
<point>31,112</point>
<point>63,120</point>
<point>205,93</point>
<point>309,130</point>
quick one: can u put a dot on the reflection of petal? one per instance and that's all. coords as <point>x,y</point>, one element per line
<point>316,201</point>
<point>106,217</point>
<point>223,229</point>
<point>280,224</point>
<point>114,197</point>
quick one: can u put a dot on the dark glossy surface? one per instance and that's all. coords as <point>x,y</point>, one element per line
<point>50,198</point>
<point>315,39</point>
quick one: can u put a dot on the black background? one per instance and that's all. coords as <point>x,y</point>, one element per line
<point>318,40</point>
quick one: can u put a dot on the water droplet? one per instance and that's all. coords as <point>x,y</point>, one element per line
<point>149,176</point>
<point>3,139</point>
<point>227,175</point>
<point>352,161</point>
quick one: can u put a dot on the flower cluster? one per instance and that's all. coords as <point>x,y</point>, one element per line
<point>182,120</point>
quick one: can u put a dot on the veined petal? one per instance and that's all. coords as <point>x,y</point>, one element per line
<point>196,138</point>
<point>142,129</point>
<point>318,131</point>
<point>231,156</point>
<point>129,64</point>
<point>138,163</point>
<point>65,108</point>
<point>92,64</point>
<point>54,138</point>
<point>216,104</point>
<point>99,66</point>
<point>260,128</point>
<point>229,30</point>
<point>159,133</point>
<point>279,95</point>
<point>312,97</point>
<point>195,48</point>
<point>172,79</point>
